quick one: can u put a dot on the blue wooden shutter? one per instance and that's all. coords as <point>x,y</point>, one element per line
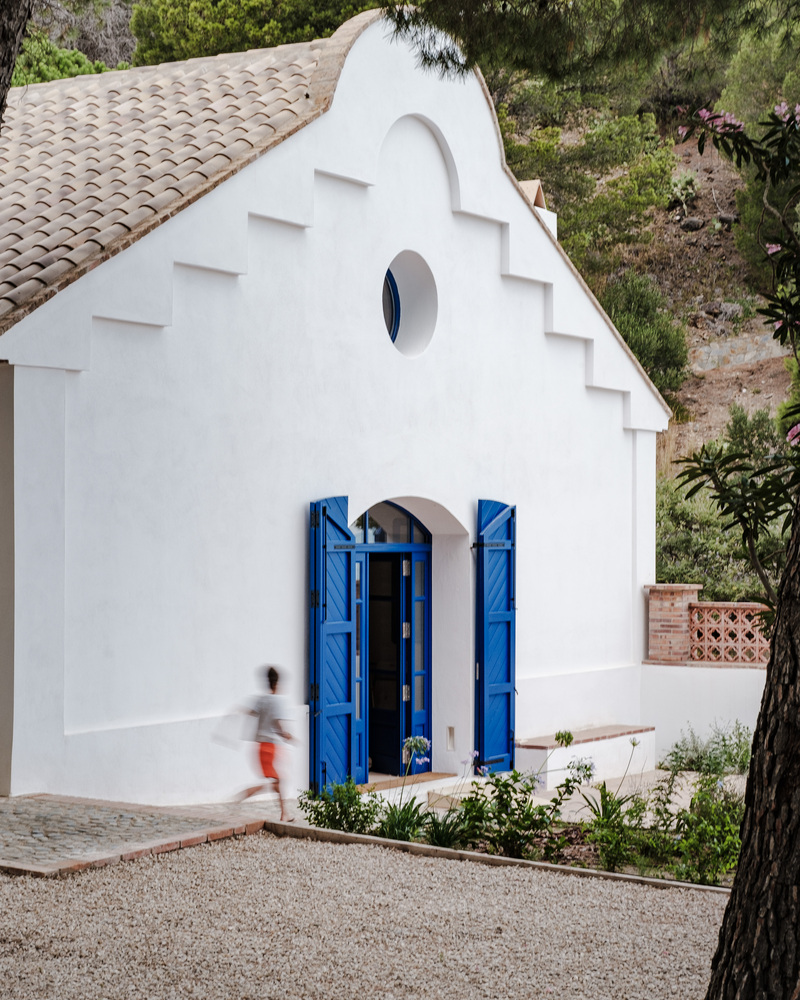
<point>495,667</point>
<point>331,644</point>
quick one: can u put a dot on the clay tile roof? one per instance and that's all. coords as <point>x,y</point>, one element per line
<point>89,165</point>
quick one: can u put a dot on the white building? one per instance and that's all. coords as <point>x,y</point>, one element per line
<point>231,288</point>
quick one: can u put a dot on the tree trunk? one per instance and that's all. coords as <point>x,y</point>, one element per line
<point>758,955</point>
<point>14,16</point>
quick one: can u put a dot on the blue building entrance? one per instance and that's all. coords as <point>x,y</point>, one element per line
<point>370,640</point>
<point>370,661</point>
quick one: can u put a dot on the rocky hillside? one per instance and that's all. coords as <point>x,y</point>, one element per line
<point>693,259</point>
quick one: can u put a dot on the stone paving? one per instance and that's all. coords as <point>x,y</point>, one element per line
<point>49,834</point>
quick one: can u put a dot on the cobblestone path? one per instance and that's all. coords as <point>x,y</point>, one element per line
<point>46,834</point>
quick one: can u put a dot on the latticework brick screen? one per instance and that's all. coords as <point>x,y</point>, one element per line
<point>727,633</point>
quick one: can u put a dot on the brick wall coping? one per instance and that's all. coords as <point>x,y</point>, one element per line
<point>673,586</point>
<point>591,735</point>
<point>711,664</point>
<point>752,605</point>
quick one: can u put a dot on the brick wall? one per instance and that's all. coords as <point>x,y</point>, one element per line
<point>670,631</point>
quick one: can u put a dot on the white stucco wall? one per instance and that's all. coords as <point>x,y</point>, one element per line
<point>178,407</point>
<point>6,574</point>
<point>676,698</point>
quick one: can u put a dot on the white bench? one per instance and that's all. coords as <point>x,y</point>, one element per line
<point>608,747</point>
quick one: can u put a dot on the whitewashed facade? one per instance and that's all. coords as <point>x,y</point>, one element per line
<point>166,419</point>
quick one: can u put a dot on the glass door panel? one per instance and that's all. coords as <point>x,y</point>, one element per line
<point>386,729</point>
<point>419,723</point>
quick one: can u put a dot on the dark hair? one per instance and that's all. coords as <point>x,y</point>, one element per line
<point>271,675</point>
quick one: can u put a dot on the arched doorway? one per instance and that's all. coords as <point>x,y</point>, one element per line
<point>392,636</point>
<point>369,640</point>
<point>370,651</point>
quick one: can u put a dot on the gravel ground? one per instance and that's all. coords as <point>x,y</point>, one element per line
<point>275,919</point>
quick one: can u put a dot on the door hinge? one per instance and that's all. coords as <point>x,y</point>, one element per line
<point>314,598</point>
<point>314,695</point>
<point>406,692</point>
<point>477,671</point>
<point>406,630</point>
<point>406,567</point>
<point>314,518</point>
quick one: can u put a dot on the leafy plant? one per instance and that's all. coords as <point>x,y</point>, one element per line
<point>502,816</point>
<point>608,827</point>
<point>694,545</point>
<point>402,820</point>
<point>655,835</point>
<point>445,829</point>
<point>684,189</point>
<point>756,435</point>
<point>708,831</point>
<point>725,751</point>
<point>342,807</point>
<point>601,187</point>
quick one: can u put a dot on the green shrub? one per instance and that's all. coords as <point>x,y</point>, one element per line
<point>342,807</point>
<point>609,827</point>
<point>693,545</point>
<point>402,821</point>
<point>502,815</point>
<point>756,435</point>
<point>40,61</point>
<point>684,189</point>
<point>637,309</point>
<point>725,751</point>
<point>169,30</point>
<point>445,829</point>
<point>709,829</point>
<point>600,187</point>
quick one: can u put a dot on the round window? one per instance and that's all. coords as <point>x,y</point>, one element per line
<point>409,285</point>
<point>391,305</point>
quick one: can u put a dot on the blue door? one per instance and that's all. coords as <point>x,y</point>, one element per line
<point>495,639</point>
<point>419,656</point>
<point>369,641</point>
<point>332,646</point>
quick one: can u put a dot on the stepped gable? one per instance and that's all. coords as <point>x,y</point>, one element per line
<point>90,164</point>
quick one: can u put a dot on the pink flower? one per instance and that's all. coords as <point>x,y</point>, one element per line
<point>732,122</point>
<point>721,122</point>
<point>682,130</point>
<point>782,111</point>
<point>772,248</point>
<point>778,324</point>
<point>793,437</point>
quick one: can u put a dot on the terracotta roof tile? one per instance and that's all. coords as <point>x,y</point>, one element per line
<point>90,164</point>
<point>24,291</point>
<point>19,278</point>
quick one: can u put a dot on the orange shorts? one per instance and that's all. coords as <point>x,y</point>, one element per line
<point>267,752</point>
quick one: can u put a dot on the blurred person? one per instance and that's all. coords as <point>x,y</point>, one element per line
<point>272,711</point>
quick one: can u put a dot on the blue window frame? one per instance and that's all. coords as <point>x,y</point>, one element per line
<point>391,305</point>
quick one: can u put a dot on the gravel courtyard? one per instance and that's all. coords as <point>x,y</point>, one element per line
<point>264,917</point>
